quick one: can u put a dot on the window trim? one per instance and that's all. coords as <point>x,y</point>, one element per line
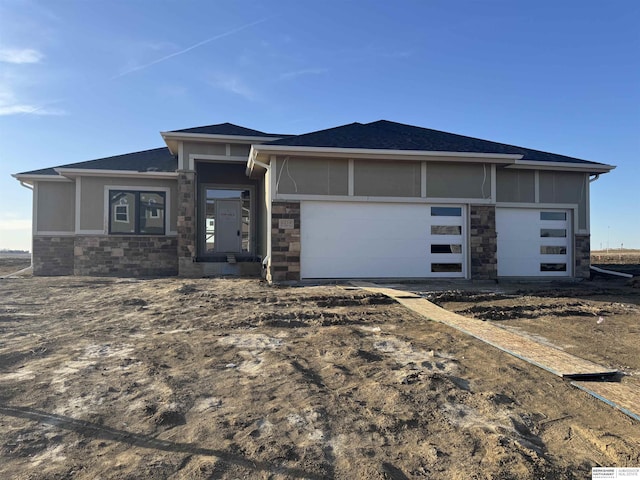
<point>138,188</point>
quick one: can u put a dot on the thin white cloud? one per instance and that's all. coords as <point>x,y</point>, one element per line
<point>24,109</point>
<point>188,49</point>
<point>232,84</point>
<point>10,105</point>
<point>299,73</point>
<point>20,55</point>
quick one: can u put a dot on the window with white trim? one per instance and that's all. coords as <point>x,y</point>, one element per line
<point>133,212</point>
<point>121,213</point>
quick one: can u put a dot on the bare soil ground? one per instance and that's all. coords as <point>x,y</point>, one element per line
<point>596,320</point>
<point>13,263</point>
<point>213,378</point>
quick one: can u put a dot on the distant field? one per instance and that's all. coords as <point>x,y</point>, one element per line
<point>613,257</point>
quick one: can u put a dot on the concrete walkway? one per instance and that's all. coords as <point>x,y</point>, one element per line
<point>625,397</point>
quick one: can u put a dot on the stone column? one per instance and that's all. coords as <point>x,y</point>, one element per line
<point>186,224</point>
<point>582,255</point>
<point>483,244</point>
<point>285,242</point>
<point>52,255</point>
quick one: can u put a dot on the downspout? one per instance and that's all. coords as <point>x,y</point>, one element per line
<point>591,180</point>
<point>267,258</point>
<point>28,187</point>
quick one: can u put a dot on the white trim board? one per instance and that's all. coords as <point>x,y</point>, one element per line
<point>54,233</point>
<point>580,167</point>
<point>78,201</point>
<point>36,178</point>
<point>342,198</point>
<point>387,154</point>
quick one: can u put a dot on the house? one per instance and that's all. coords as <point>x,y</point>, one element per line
<point>374,200</point>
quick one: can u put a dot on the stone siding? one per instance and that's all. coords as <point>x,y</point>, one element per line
<point>126,255</point>
<point>285,242</point>
<point>583,256</point>
<point>53,255</point>
<point>483,245</point>
<point>186,227</point>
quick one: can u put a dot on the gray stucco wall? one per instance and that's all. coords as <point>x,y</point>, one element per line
<point>56,206</point>
<point>203,148</point>
<point>386,178</point>
<point>312,176</point>
<point>458,180</point>
<point>566,187</point>
<point>515,185</point>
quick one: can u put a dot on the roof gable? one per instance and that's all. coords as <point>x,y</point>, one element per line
<point>227,129</point>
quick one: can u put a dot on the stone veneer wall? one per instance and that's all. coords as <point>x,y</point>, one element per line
<point>582,254</point>
<point>483,243</point>
<point>125,255</point>
<point>186,227</point>
<point>285,243</point>
<point>53,255</point>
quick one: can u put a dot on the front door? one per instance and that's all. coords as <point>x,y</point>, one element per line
<point>228,225</point>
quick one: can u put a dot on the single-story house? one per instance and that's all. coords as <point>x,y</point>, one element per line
<point>373,200</point>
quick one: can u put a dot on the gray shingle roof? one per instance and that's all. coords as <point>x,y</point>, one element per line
<point>155,160</point>
<point>381,134</point>
<point>227,129</point>
<point>384,134</point>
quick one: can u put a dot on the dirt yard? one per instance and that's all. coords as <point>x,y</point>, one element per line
<point>225,379</point>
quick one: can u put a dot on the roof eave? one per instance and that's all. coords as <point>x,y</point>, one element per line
<point>386,154</point>
<point>88,172</point>
<point>30,178</point>
<point>587,167</point>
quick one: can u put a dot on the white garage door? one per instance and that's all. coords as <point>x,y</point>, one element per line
<point>382,240</point>
<point>534,243</point>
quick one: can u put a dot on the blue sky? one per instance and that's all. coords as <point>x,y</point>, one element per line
<point>88,79</point>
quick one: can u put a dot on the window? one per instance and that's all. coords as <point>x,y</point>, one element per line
<point>137,212</point>
<point>446,267</point>
<point>446,211</point>
<point>552,250</point>
<point>435,248</point>
<point>446,230</point>
<point>553,232</point>
<point>553,215</point>
<point>553,267</point>
<point>121,213</point>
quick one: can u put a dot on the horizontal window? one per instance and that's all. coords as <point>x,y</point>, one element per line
<point>435,248</point>
<point>136,212</point>
<point>553,215</point>
<point>553,267</point>
<point>446,267</point>
<point>446,230</point>
<point>446,211</point>
<point>553,232</point>
<point>552,250</point>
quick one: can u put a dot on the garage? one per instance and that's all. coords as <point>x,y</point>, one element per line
<point>534,242</point>
<point>382,240</point>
